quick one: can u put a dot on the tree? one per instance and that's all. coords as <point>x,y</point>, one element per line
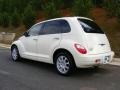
<point>98,3</point>
<point>36,4</point>
<point>4,19</point>
<point>118,11</point>
<point>29,16</point>
<point>16,19</point>
<point>82,7</point>
<point>111,6</point>
<point>50,10</point>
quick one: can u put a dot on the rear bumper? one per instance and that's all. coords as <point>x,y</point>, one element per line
<point>93,60</point>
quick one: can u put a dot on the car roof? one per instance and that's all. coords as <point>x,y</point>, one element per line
<point>64,18</point>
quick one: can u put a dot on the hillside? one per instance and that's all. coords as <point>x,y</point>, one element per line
<point>19,15</point>
<point>109,25</point>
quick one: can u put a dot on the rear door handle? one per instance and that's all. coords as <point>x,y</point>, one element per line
<point>56,38</point>
<point>35,39</point>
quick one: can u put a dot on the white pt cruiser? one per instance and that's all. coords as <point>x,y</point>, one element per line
<point>67,42</point>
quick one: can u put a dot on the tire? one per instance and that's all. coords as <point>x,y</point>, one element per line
<point>15,53</point>
<point>96,67</point>
<point>64,63</point>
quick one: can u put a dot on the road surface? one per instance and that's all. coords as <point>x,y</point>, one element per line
<point>32,75</point>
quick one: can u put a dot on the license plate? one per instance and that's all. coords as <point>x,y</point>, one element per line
<point>106,59</point>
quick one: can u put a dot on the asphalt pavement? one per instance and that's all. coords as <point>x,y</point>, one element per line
<point>32,75</point>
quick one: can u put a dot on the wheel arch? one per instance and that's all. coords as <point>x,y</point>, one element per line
<point>19,46</point>
<point>62,50</point>
<point>13,45</point>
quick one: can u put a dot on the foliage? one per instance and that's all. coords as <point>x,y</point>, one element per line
<point>16,19</point>
<point>50,10</point>
<point>4,19</point>
<point>36,4</point>
<point>29,16</point>
<point>98,3</point>
<point>82,7</point>
<point>26,9</point>
<point>118,13</point>
<point>112,6</point>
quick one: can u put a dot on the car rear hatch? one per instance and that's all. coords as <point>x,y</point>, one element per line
<point>95,38</point>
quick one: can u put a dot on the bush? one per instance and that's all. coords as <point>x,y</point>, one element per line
<point>118,13</point>
<point>111,6</point>
<point>59,4</point>
<point>15,19</point>
<point>98,3</point>
<point>82,7</point>
<point>50,10</point>
<point>4,19</point>
<point>36,4</point>
<point>29,16</point>
<point>0,19</point>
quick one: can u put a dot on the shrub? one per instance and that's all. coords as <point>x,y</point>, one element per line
<point>111,6</point>
<point>98,3</point>
<point>29,16</point>
<point>118,13</point>
<point>0,19</point>
<point>4,19</point>
<point>15,19</point>
<point>59,4</point>
<point>50,10</point>
<point>82,7</point>
<point>36,4</point>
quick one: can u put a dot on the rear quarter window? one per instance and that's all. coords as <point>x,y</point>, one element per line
<point>65,27</point>
<point>90,26</point>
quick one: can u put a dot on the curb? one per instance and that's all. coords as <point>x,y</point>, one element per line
<point>5,45</point>
<point>116,61</point>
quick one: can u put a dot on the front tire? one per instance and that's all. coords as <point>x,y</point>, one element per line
<point>15,53</point>
<point>64,63</point>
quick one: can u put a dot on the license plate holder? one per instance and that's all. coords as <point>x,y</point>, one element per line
<point>106,59</point>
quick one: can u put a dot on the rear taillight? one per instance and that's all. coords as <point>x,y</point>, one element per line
<point>80,48</point>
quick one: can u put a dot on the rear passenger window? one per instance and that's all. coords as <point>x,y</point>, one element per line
<point>65,27</point>
<point>55,27</point>
<point>51,27</point>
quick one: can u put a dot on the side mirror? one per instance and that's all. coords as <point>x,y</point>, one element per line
<point>26,34</point>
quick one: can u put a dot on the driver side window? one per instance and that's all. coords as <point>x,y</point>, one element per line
<point>35,30</point>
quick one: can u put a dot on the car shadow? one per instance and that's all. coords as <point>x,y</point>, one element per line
<point>49,68</point>
<point>85,72</point>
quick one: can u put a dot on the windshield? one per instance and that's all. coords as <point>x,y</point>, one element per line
<point>90,26</point>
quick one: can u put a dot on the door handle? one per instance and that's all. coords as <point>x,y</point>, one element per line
<point>56,38</point>
<point>35,39</point>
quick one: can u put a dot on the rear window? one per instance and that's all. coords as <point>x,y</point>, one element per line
<point>90,26</point>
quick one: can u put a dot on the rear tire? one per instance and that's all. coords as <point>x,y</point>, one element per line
<point>15,53</point>
<point>64,63</point>
<point>96,67</point>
